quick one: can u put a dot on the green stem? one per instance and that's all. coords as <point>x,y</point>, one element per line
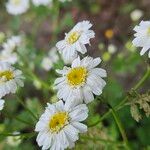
<point>121,129</point>
<point>23,121</point>
<point>21,102</point>
<point>102,140</point>
<point>121,104</point>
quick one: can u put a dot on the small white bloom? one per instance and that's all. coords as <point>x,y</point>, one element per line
<point>81,80</point>
<point>142,37</point>
<point>41,2</point>
<point>10,79</point>
<point>47,64</point>
<point>60,125</point>
<point>1,104</point>
<point>75,41</point>
<point>17,7</point>
<point>14,140</point>
<point>136,14</point>
<point>112,48</point>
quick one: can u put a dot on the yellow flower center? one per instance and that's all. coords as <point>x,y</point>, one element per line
<point>109,33</point>
<point>148,31</point>
<point>73,37</point>
<point>77,76</point>
<point>58,121</point>
<point>16,2</point>
<point>6,75</point>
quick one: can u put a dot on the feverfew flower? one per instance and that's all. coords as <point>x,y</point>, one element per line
<point>17,7</point>
<point>60,125</point>
<point>41,2</point>
<point>75,41</point>
<point>81,80</point>
<point>10,79</point>
<point>142,37</point>
<point>48,62</point>
<point>1,104</point>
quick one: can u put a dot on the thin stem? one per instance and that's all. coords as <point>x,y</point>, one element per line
<point>23,121</point>
<point>121,129</point>
<point>120,105</point>
<point>21,102</point>
<point>103,140</point>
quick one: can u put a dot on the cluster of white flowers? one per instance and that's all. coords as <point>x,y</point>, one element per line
<point>142,37</point>
<point>48,62</point>
<point>8,53</point>
<point>18,7</point>
<point>60,125</point>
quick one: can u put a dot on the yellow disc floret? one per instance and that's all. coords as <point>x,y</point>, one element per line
<point>16,2</point>
<point>77,76</point>
<point>6,75</point>
<point>73,37</point>
<point>58,121</point>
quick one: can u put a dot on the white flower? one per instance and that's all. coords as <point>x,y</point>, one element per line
<point>60,125</point>
<point>1,104</point>
<point>112,48</point>
<point>48,62</point>
<point>81,80</point>
<point>136,14</point>
<point>14,140</point>
<point>10,79</point>
<point>41,2</point>
<point>75,41</point>
<point>17,7</point>
<point>7,56</point>
<point>142,37</point>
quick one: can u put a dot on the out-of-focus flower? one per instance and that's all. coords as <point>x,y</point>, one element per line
<point>10,79</point>
<point>109,33</point>
<point>1,104</point>
<point>142,37</point>
<point>106,56</point>
<point>41,2</point>
<point>81,80</point>
<point>136,14</point>
<point>60,125</point>
<point>14,140</point>
<point>48,62</point>
<point>112,48</point>
<point>17,7</point>
<point>75,41</point>
<point>65,1</point>
<point>37,84</point>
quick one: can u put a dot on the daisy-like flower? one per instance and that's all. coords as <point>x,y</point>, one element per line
<point>41,2</point>
<point>60,125</point>
<point>17,7</point>
<point>75,41</point>
<point>81,80</point>
<point>10,79</point>
<point>142,37</point>
<point>1,104</point>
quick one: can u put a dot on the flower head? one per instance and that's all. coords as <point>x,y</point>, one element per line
<point>60,125</point>
<point>17,7</point>
<point>75,41</point>
<point>142,37</point>
<point>10,79</point>
<point>1,104</point>
<point>81,80</point>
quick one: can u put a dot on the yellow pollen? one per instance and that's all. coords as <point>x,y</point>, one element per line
<point>77,76</point>
<point>16,2</point>
<point>7,75</point>
<point>58,121</point>
<point>73,37</point>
